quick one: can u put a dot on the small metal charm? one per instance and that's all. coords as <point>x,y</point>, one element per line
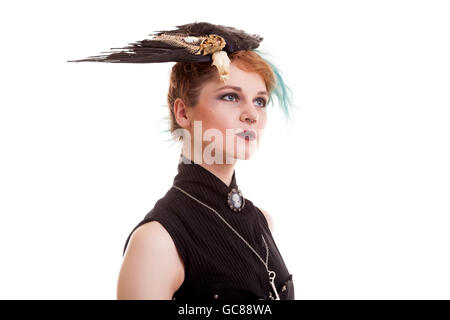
<point>235,200</point>
<point>272,276</point>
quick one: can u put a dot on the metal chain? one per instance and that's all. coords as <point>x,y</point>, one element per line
<point>272,274</point>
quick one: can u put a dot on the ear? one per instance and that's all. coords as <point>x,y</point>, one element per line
<point>182,113</point>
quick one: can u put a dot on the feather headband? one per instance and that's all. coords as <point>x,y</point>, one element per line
<point>193,42</point>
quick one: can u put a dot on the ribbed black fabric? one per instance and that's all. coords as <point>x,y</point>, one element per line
<point>218,264</point>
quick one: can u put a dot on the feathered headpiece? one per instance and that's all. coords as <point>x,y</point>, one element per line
<point>193,42</point>
<point>197,42</point>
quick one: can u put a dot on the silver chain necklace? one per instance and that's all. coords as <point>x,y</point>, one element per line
<point>271,274</point>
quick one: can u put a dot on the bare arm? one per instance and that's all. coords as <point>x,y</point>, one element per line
<point>152,267</point>
<point>268,218</point>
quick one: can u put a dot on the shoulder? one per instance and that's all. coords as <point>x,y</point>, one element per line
<point>268,218</point>
<point>152,234</point>
<point>152,267</point>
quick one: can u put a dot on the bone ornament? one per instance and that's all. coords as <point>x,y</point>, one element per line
<point>222,63</point>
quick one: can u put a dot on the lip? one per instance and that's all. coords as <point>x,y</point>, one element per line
<point>248,135</point>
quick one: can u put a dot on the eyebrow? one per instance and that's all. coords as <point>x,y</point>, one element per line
<point>237,89</point>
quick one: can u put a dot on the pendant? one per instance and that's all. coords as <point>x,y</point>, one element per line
<point>272,276</point>
<point>235,200</point>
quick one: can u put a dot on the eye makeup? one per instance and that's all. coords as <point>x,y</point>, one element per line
<point>222,97</point>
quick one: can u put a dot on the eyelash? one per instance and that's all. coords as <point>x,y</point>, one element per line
<point>236,96</point>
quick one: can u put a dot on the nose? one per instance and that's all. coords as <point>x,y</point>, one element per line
<point>249,114</point>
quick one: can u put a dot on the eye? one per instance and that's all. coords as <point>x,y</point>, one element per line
<point>262,102</point>
<point>233,95</point>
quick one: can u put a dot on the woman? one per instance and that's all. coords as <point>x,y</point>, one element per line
<point>204,240</point>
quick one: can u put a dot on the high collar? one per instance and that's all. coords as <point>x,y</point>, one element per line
<point>194,175</point>
<point>206,187</point>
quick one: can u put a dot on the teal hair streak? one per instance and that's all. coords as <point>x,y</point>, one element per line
<point>281,90</point>
<point>165,121</point>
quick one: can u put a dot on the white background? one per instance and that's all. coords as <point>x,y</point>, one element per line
<point>358,186</point>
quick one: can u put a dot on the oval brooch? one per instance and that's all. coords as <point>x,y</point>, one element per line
<point>235,200</point>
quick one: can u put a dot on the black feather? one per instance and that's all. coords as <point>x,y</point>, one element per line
<point>236,39</point>
<point>153,51</point>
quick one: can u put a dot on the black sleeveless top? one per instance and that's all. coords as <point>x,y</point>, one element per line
<point>218,264</point>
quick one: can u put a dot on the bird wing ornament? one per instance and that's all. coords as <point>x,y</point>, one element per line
<point>193,42</point>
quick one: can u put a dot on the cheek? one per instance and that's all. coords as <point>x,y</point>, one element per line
<point>262,120</point>
<point>207,115</point>
<point>220,118</point>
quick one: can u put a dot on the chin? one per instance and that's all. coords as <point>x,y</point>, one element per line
<point>245,151</point>
<point>247,156</point>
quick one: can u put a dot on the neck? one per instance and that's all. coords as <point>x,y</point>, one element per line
<point>223,171</point>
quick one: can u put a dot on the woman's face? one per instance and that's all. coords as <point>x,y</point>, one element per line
<point>226,110</point>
